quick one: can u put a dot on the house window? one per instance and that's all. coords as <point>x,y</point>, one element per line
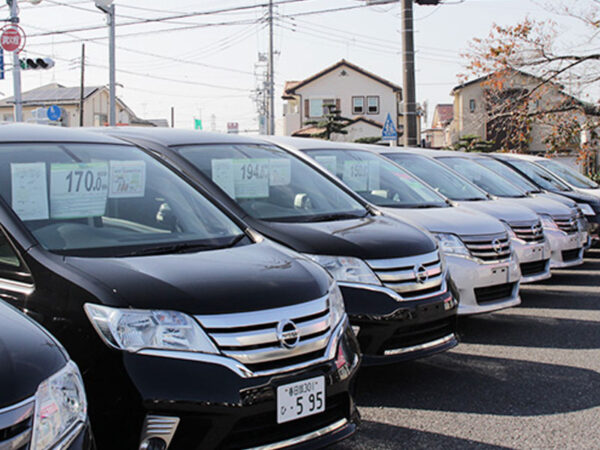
<point>373,105</point>
<point>472,105</point>
<point>358,105</point>
<point>318,107</point>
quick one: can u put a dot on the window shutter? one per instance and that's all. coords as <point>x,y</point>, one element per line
<point>306,108</point>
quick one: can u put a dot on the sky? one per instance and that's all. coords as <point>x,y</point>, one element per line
<point>205,66</point>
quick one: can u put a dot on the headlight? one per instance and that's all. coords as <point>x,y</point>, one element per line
<point>586,209</point>
<point>548,223</point>
<point>344,268</point>
<point>134,329</point>
<point>451,244</point>
<point>509,230</point>
<point>336,304</point>
<point>59,405</point>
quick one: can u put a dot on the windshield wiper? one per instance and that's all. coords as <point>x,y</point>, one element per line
<point>328,217</point>
<point>183,247</point>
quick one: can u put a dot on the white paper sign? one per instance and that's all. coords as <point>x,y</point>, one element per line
<point>29,191</point>
<point>127,179</point>
<point>78,190</point>
<point>280,172</point>
<point>251,177</point>
<point>356,175</point>
<point>329,162</point>
<point>222,175</point>
<point>374,175</point>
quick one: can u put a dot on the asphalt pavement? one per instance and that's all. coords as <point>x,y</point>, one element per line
<point>526,377</point>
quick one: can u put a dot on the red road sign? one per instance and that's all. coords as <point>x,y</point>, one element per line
<point>12,38</point>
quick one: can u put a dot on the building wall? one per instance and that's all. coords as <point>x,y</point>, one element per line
<point>357,130</point>
<point>335,86</point>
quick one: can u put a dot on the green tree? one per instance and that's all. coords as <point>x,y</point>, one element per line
<point>368,140</point>
<point>330,123</point>
<point>473,143</point>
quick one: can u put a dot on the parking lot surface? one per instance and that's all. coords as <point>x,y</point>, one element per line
<point>526,377</point>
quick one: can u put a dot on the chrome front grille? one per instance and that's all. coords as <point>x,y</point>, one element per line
<point>529,232</point>
<point>490,248</point>
<point>15,425</point>
<point>273,338</point>
<point>411,277</point>
<point>568,224</point>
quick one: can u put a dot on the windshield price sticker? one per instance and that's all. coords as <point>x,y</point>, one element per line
<point>29,191</point>
<point>361,175</point>
<point>127,179</point>
<point>251,178</point>
<point>78,190</point>
<point>328,162</point>
<point>280,172</point>
<point>300,399</point>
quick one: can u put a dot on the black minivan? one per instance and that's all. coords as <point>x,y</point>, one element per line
<point>190,329</point>
<point>42,398</point>
<point>391,273</point>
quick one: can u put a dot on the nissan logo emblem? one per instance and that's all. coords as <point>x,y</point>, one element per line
<point>497,245</point>
<point>288,334</point>
<point>421,274</point>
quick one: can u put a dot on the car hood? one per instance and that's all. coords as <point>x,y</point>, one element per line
<point>541,205</point>
<point>374,237</point>
<point>29,355</point>
<point>505,210</point>
<point>460,221</point>
<point>239,279</point>
<point>565,200</point>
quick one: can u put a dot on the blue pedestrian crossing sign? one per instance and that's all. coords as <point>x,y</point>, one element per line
<point>389,132</point>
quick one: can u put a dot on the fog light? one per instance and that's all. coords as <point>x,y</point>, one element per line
<point>154,444</point>
<point>355,329</point>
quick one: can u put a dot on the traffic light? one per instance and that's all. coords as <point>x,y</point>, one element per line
<point>36,63</point>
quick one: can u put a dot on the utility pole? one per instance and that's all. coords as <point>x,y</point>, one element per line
<point>14,19</point>
<point>172,117</point>
<point>108,8</point>
<point>82,86</point>
<point>271,76</point>
<point>408,63</point>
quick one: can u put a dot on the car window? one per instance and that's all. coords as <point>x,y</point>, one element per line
<point>567,173</point>
<point>505,171</point>
<point>376,179</point>
<point>106,200</point>
<point>439,177</point>
<point>540,175</point>
<point>483,177</point>
<point>270,183</point>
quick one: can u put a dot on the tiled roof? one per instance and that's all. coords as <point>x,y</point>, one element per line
<point>52,93</point>
<point>311,130</point>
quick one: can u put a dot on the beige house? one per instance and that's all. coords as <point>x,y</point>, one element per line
<point>470,115</point>
<point>437,136</point>
<point>360,95</point>
<point>95,107</point>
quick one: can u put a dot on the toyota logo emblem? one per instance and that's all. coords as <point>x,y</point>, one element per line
<point>421,274</point>
<point>534,229</point>
<point>497,245</point>
<point>288,334</point>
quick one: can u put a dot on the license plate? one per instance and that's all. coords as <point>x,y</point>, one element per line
<point>538,250</point>
<point>499,274</point>
<point>300,399</point>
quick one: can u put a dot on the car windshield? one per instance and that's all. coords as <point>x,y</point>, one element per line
<point>439,177</point>
<point>486,179</point>
<point>570,175</point>
<point>514,177</point>
<point>541,176</point>
<point>271,184</point>
<point>378,180</point>
<point>107,200</point>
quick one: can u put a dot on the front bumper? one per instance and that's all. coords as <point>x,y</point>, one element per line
<point>534,259</point>
<point>213,406</point>
<point>483,287</point>
<point>390,330</point>
<point>79,438</point>
<point>566,249</point>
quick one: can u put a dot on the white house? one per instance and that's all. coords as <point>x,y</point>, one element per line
<point>359,95</point>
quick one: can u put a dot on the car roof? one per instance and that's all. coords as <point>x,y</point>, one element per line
<point>175,136</point>
<point>532,158</point>
<point>310,143</point>
<point>23,132</point>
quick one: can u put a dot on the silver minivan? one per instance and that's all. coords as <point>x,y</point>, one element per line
<point>484,270</point>
<point>560,223</point>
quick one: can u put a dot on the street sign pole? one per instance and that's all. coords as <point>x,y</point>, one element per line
<point>14,18</point>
